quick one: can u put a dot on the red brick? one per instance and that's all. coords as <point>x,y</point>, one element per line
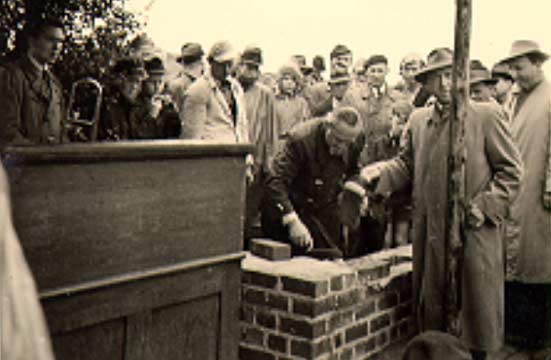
<point>252,336</point>
<point>259,297</point>
<point>254,296</point>
<point>302,328</point>
<point>246,353</point>
<point>310,350</point>
<point>365,310</point>
<point>342,282</point>
<point>365,346</point>
<point>382,339</point>
<point>379,322</point>
<point>277,301</point>
<point>304,287</point>
<point>313,308</point>
<point>356,332</point>
<point>246,314</point>
<point>266,320</point>
<point>271,250</point>
<point>340,319</point>
<point>403,311</point>
<point>277,343</point>
<point>406,294</point>
<point>263,280</point>
<point>394,333</point>
<point>338,340</point>
<point>347,299</point>
<point>374,270</point>
<point>347,354</point>
<point>388,300</point>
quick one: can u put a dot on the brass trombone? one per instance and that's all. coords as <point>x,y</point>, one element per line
<point>78,128</point>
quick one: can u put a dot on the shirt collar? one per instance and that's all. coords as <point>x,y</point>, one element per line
<point>39,67</point>
<point>440,113</point>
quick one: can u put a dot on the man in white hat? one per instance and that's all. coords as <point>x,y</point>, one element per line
<point>529,254</point>
<point>306,178</point>
<point>214,107</point>
<point>492,178</point>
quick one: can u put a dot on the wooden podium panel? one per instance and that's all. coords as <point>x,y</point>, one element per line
<point>135,246</point>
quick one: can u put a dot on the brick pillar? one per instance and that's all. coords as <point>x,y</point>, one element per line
<point>308,309</point>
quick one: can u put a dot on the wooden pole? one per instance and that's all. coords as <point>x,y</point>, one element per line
<point>456,166</point>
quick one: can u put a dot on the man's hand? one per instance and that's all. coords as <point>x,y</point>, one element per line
<point>299,234</point>
<point>475,217</point>
<point>547,200</point>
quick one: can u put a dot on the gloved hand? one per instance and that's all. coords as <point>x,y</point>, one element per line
<point>299,234</point>
<point>369,175</point>
<point>547,200</point>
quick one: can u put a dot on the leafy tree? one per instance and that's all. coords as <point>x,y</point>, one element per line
<point>96,33</point>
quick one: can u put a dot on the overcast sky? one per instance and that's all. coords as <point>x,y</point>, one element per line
<point>390,27</point>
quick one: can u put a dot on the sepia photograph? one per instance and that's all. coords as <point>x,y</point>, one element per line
<point>275,180</point>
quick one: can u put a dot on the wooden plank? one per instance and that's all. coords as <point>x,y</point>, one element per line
<point>456,165</point>
<point>120,151</point>
<point>67,313</point>
<point>84,222</point>
<point>104,340</point>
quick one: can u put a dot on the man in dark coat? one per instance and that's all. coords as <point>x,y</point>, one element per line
<point>261,120</point>
<point>306,178</point>
<point>119,104</point>
<point>493,175</point>
<point>31,97</point>
<point>155,112</point>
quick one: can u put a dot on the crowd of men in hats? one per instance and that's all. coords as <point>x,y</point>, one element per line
<point>350,165</point>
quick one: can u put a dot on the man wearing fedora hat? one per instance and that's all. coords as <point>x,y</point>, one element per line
<point>119,103</point>
<point>193,66</point>
<point>529,253</point>
<point>492,177</point>
<point>306,178</point>
<point>261,118</point>
<point>482,84</point>
<point>155,112</point>
<point>214,105</point>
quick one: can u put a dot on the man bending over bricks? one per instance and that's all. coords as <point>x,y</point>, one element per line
<point>305,180</point>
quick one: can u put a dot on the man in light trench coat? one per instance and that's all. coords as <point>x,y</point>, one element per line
<point>492,177</point>
<point>528,289</point>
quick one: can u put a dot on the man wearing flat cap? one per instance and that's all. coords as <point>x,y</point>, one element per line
<point>192,62</point>
<point>306,179</point>
<point>120,100</point>
<point>261,118</point>
<point>214,106</point>
<point>493,174</point>
<point>482,84</point>
<point>529,253</point>
<point>504,86</point>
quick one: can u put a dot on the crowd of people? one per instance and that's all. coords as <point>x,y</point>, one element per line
<point>351,164</point>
